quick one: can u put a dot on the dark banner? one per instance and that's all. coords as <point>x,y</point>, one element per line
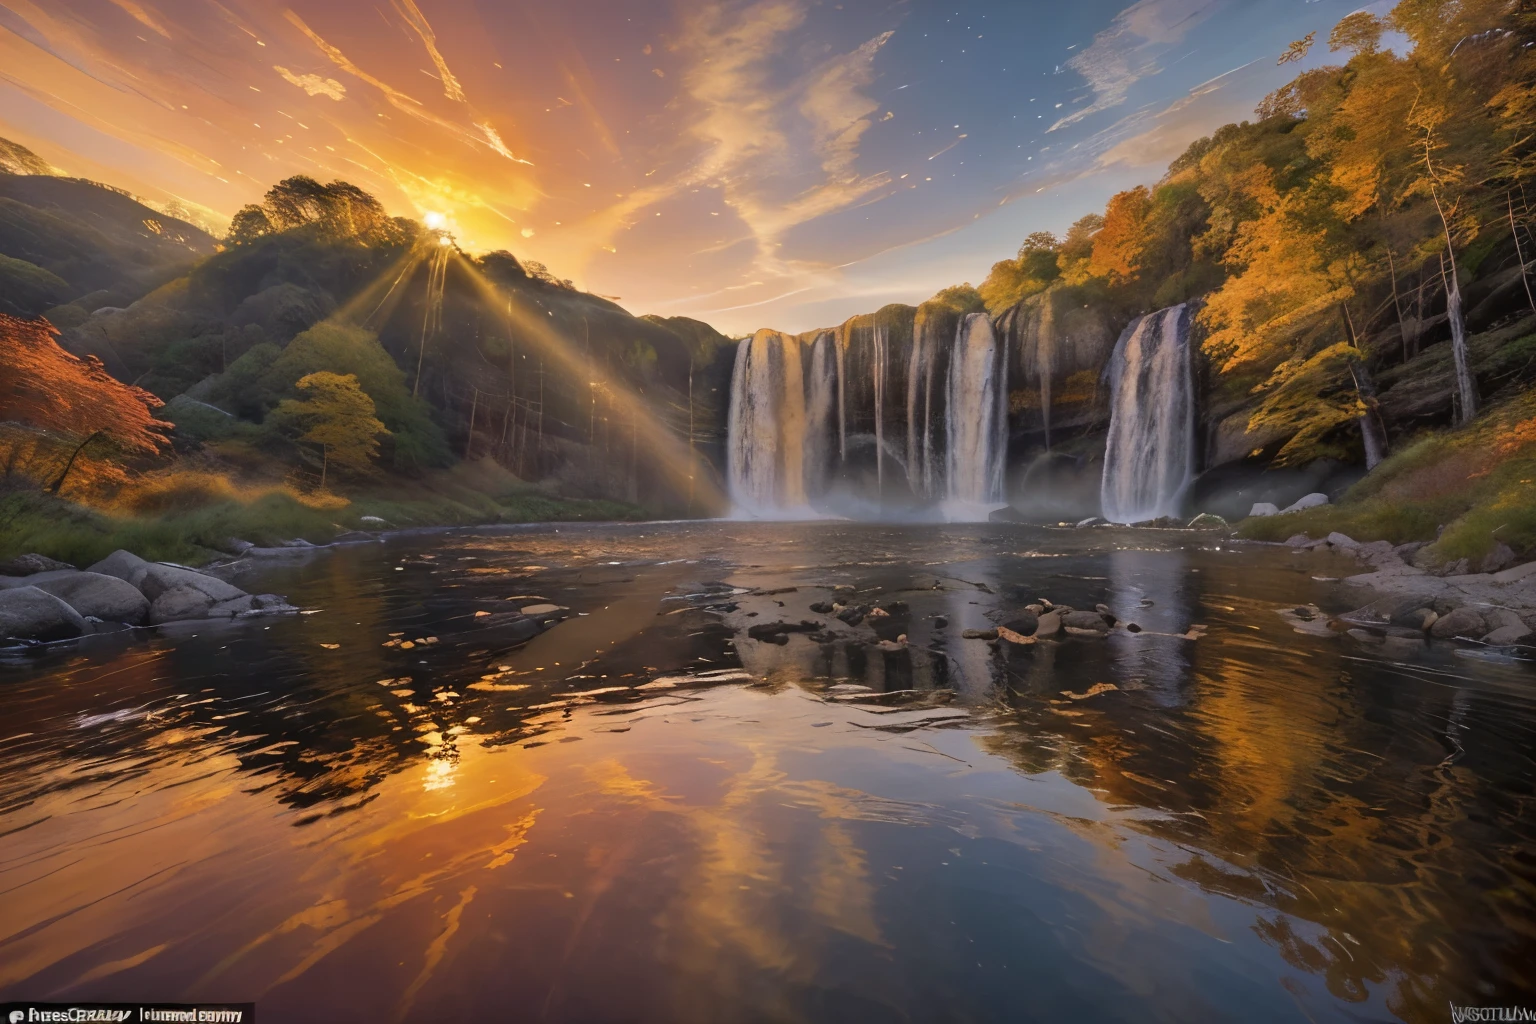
<point>126,1013</point>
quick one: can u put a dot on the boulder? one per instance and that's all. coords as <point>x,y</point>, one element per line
<point>1502,618</point>
<point>159,578</point>
<point>1298,540</point>
<point>1086,620</point>
<point>978,634</point>
<point>179,603</point>
<point>1509,635</point>
<point>1340,540</point>
<point>28,613</point>
<point>1049,625</point>
<point>1312,500</point>
<point>1463,622</point>
<point>1515,573</point>
<point>235,606</point>
<point>98,595</point>
<point>1264,508</point>
<point>1501,557</point>
<point>29,565</point>
<point>1024,623</point>
<point>125,565</point>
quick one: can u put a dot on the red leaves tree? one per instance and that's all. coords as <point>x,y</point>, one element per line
<point>45,387</point>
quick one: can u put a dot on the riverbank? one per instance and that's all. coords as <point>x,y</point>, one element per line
<point>194,518</point>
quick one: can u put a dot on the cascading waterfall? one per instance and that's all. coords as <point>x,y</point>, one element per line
<point>879,389</point>
<point>1149,458</point>
<point>922,474</point>
<point>974,425</point>
<point>766,432</point>
<point>820,407</point>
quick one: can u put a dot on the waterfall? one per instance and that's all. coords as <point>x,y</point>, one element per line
<point>1148,460</point>
<point>922,474</point>
<point>766,433</point>
<point>974,421</point>
<point>878,373</point>
<point>820,407</point>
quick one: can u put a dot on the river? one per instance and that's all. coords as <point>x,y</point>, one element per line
<point>379,810</point>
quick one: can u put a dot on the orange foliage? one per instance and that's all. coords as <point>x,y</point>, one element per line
<point>47,387</point>
<point>1118,247</point>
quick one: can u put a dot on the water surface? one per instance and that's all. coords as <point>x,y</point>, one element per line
<point>1257,824</point>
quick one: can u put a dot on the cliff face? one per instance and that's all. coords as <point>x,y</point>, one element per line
<point>1058,346</point>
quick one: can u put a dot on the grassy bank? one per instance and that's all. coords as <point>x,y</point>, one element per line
<point>186,515</point>
<point>1478,482</point>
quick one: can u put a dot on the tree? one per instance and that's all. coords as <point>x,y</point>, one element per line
<point>337,417</point>
<point>1118,245</point>
<point>73,396</point>
<point>339,210</point>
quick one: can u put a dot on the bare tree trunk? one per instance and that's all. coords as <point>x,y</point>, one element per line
<point>58,484</point>
<point>469,440</point>
<point>1397,305</point>
<point>1372,433</point>
<point>1466,386</point>
<point>1514,233</point>
<point>325,462</point>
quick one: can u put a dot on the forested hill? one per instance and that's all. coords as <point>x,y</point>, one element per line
<point>462,358</point>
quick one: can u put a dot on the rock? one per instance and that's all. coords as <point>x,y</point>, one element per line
<point>296,542</point>
<point>125,565</point>
<point>940,622</point>
<point>1085,620</point>
<point>854,615</point>
<point>233,546</point>
<point>1049,625</point>
<point>1509,635</point>
<point>179,603</point>
<point>1501,557</point>
<point>159,578</point>
<point>979,634</point>
<point>1340,540</point>
<point>1085,631</point>
<point>1207,521</point>
<point>1502,618</point>
<point>1264,508</point>
<point>1025,623</point>
<point>770,630</point>
<point>1312,500</point>
<point>1515,574</point>
<point>1462,622</point>
<point>27,613</point>
<point>1090,521</point>
<point>821,608</point>
<point>97,594</point>
<point>1035,609</point>
<point>270,602</point>
<point>235,606</point>
<point>29,565</point>
<point>1131,627</point>
<point>536,610</point>
<point>1299,540</point>
<point>1407,551</point>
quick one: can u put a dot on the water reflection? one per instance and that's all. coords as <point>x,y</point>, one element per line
<point>1256,824</point>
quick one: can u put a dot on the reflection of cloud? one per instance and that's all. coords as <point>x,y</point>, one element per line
<point>1126,52</point>
<point>314,84</point>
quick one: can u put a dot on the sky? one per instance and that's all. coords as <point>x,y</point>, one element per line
<point>750,163</point>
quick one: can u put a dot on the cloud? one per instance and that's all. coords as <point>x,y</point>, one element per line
<point>142,16</point>
<point>314,84</point>
<point>1191,116</point>
<point>418,23</point>
<point>1127,51</point>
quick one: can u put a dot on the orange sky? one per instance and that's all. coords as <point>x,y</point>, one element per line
<point>783,162</point>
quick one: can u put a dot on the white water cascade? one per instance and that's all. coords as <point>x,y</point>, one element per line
<point>766,432</point>
<point>1149,458</point>
<point>975,422</point>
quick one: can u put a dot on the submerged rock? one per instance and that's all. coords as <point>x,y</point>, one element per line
<point>179,603</point>
<point>1462,622</point>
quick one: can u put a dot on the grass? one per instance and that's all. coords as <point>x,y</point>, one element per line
<point>186,515</point>
<point>1477,482</point>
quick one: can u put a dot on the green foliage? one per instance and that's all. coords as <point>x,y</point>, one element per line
<point>960,298</point>
<point>27,289</point>
<point>418,442</point>
<point>335,416</point>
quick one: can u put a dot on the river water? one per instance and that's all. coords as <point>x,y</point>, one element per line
<point>380,811</point>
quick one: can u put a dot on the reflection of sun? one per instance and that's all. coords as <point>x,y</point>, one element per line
<point>440,772</point>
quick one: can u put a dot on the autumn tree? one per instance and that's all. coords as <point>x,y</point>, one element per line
<point>73,397</point>
<point>1119,244</point>
<point>336,417</point>
<point>339,210</point>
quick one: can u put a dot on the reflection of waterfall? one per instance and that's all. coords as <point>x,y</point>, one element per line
<point>1153,659</point>
<point>766,433</point>
<point>974,420</point>
<point>879,386</point>
<point>1148,458</point>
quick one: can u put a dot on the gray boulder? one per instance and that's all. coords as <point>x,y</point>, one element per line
<point>1048,625</point>
<point>1312,500</point>
<point>179,603</point>
<point>1264,508</point>
<point>1459,622</point>
<point>1515,574</point>
<point>98,595</point>
<point>159,578</point>
<point>235,606</point>
<point>1341,540</point>
<point>28,613</point>
<point>1085,620</point>
<point>1508,635</point>
<point>28,565</point>
<point>125,565</point>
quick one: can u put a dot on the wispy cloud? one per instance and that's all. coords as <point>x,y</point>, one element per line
<point>142,16</point>
<point>1127,51</point>
<point>314,84</point>
<point>413,17</point>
